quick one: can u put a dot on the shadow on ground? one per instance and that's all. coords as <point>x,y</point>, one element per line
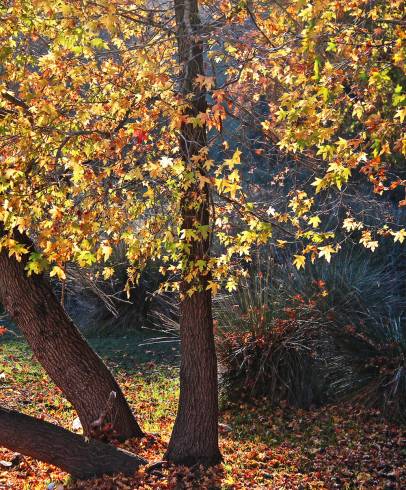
<point>134,351</point>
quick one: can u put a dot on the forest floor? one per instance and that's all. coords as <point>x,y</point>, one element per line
<point>277,448</point>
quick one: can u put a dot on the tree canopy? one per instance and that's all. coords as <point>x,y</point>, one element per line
<point>91,113</point>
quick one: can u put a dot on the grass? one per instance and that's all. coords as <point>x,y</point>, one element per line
<point>147,372</point>
<point>263,447</point>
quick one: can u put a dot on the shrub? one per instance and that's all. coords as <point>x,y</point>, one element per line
<point>265,347</point>
<point>332,332</point>
<point>363,328</point>
<point>164,318</point>
<point>368,365</point>
<point>102,307</point>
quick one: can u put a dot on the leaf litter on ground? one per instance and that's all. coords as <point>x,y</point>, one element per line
<point>264,447</point>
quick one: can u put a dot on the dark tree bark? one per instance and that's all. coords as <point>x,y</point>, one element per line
<point>61,349</point>
<point>194,438</point>
<point>57,446</point>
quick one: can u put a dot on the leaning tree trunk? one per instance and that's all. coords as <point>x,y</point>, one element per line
<point>194,438</point>
<point>61,349</point>
<point>57,446</point>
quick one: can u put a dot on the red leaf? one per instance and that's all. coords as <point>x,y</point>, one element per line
<point>140,135</point>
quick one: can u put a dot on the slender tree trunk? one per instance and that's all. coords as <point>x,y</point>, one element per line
<point>194,438</point>
<point>55,445</point>
<point>61,349</point>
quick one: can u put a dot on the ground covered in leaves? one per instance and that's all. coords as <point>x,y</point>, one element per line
<point>277,448</point>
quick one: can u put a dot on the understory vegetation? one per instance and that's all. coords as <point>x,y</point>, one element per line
<point>338,446</point>
<point>329,333</point>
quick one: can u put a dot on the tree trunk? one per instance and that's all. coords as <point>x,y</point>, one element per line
<point>61,349</point>
<point>194,438</point>
<point>57,446</point>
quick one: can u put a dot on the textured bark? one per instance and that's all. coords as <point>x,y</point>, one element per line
<point>194,438</point>
<point>61,349</point>
<point>55,445</point>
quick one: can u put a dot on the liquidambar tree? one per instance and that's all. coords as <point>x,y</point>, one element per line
<point>119,152</point>
<point>195,434</point>
<point>69,181</point>
<point>60,348</point>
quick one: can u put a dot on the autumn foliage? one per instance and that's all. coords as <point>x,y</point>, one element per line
<point>189,136</point>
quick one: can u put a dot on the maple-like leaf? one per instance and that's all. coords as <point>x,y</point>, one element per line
<point>58,272</point>
<point>399,236</point>
<point>326,252</point>
<point>299,261</point>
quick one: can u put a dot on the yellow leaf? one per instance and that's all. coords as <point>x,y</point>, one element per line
<point>235,160</point>
<point>106,250</point>
<point>58,272</point>
<point>299,261</point>
<point>231,284</point>
<point>326,252</point>
<point>400,235</point>
<point>214,286</point>
<point>108,272</point>
<point>350,224</point>
<point>401,114</point>
<point>315,221</point>
<point>149,193</point>
<point>319,184</point>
